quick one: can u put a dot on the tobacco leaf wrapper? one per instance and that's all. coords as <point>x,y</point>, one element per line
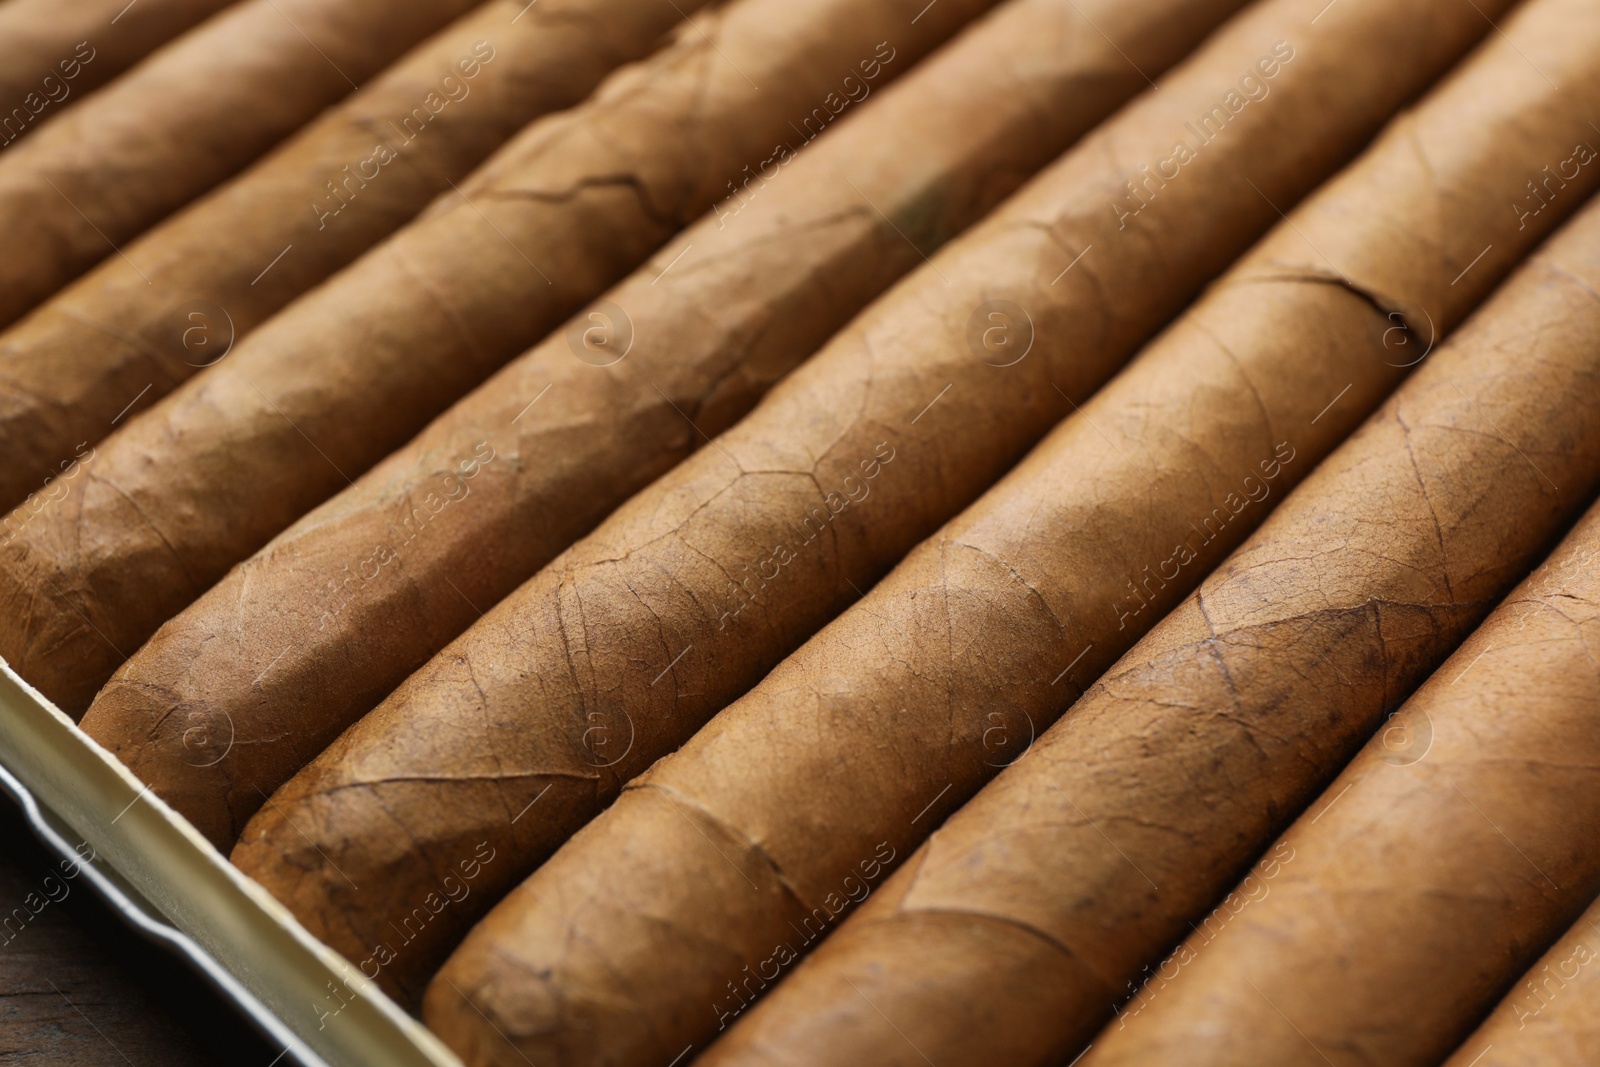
<point>358,366</point>
<point>1454,848</point>
<point>186,118</point>
<point>725,309</point>
<point>1552,1013</point>
<point>177,299</point>
<point>1035,906</point>
<point>660,544</point>
<point>55,51</point>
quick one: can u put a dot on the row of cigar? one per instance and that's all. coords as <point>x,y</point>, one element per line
<point>863,531</point>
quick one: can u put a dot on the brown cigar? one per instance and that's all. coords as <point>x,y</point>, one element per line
<point>55,51</point>
<point>177,299</point>
<point>1459,843</point>
<point>1552,1013</point>
<point>827,396</point>
<point>1028,914</point>
<point>185,119</point>
<point>783,265</point>
<point>355,368</point>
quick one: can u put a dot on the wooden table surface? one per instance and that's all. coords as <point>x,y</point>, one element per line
<point>63,998</point>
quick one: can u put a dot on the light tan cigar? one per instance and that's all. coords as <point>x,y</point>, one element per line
<point>1551,1016</point>
<point>176,300</point>
<point>56,51</point>
<point>880,716</point>
<point>355,368</point>
<point>186,118</point>
<point>1029,915</point>
<point>734,302</point>
<point>1453,848</point>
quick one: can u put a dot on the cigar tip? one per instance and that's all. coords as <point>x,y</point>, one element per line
<point>292,867</point>
<point>179,748</point>
<point>488,1021</point>
<point>45,634</point>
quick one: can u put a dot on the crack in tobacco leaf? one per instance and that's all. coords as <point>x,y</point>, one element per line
<point>641,192</point>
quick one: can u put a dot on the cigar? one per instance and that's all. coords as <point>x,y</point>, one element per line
<point>1452,850</point>
<point>784,264</point>
<point>180,298</point>
<point>727,516</point>
<point>358,366</point>
<point>1032,911</point>
<point>186,118</point>
<point>1552,1013</point>
<point>53,51</point>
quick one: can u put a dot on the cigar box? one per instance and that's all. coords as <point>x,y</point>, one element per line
<point>169,885</point>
